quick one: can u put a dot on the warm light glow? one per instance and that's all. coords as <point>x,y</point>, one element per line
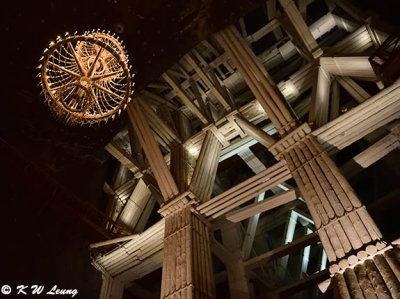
<point>86,78</point>
<point>193,150</point>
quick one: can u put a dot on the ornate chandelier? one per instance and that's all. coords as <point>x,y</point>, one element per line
<point>86,78</point>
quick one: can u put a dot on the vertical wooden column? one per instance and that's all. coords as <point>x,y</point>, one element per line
<point>187,269</point>
<point>348,234</point>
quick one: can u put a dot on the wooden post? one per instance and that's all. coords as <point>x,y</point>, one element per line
<point>187,268</point>
<point>347,232</point>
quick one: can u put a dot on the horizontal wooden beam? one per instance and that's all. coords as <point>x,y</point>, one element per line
<point>281,251</point>
<point>375,112</point>
<point>245,191</point>
<point>267,204</point>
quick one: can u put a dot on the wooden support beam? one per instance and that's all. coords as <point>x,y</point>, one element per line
<point>319,107</point>
<point>267,204</point>
<point>355,90</point>
<point>242,27</point>
<point>207,82</point>
<point>335,100</point>
<point>359,66</point>
<point>301,28</point>
<point>342,66</point>
<point>135,205</point>
<point>377,151</point>
<point>202,105</point>
<point>187,268</point>
<point>115,150</point>
<point>183,125</point>
<point>136,257</point>
<point>250,233</point>
<point>355,43</point>
<point>300,81</point>
<point>156,160</point>
<point>125,190</point>
<point>206,168</point>
<point>347,232</point>
<point>281,251</point>
<point>373,277</point>
<point>255,132</point>
<point>256,166</point>
<point>136,148</point>
<point>144,217</point>
<point>237,276</point>
<point>245,191</point>
<point>375,112</point>
<point>272,25</point>
<point>256,78</point>
<point>184,98</point>
<point>160,128</point>
<point>243,144</point>
<point>271,12</point>
<point>179,168</point>
<point>221,252</point>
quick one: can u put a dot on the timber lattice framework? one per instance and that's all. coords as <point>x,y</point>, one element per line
<point>222,98</point>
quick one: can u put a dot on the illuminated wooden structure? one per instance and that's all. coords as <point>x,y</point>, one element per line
<point>214,104</point>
